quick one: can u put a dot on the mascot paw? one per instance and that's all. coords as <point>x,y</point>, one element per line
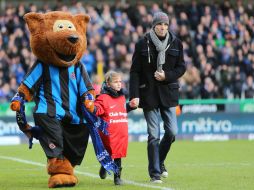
<point>62,180</point>
<point>89,100</point>
<point>89,104</point>
<point>15,106</point>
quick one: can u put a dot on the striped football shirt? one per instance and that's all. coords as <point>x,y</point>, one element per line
<point>58,90</point>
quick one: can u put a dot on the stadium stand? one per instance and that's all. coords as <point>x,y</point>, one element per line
<point>218,40</point>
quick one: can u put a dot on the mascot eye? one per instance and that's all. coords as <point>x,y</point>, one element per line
<point>61,26</point>
<point>70,26</point>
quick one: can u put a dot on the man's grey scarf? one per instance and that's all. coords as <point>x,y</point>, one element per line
<point>160,47</point>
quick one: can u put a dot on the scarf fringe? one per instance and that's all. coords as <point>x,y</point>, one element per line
<point>94,123</point>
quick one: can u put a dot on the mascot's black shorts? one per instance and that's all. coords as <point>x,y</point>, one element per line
<point>60,139</point>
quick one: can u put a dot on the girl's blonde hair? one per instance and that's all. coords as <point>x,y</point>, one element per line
<point>110,75</point>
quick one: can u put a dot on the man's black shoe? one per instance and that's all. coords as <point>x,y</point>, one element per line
<point>155,180</point>
<point>164,172</point>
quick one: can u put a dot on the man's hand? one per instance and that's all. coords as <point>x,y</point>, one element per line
<point>160,76</point>
<point>134,103</point>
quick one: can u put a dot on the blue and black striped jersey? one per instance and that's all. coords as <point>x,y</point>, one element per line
<point>57,91</point>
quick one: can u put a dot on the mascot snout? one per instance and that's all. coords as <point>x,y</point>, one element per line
<point>73,38</point>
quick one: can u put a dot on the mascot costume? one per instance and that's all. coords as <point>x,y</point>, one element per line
<point>63,95</point>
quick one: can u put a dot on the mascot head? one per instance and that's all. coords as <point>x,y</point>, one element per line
<point>57,38</point>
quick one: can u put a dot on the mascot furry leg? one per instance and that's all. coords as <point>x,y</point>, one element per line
<point>61,173</point>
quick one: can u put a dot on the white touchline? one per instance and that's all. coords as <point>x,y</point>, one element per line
<point>85,173</point>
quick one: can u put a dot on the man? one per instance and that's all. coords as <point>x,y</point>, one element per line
<point>157,64</point>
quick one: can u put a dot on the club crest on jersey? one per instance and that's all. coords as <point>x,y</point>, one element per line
<point>52,146</point>
<point>73,76</point>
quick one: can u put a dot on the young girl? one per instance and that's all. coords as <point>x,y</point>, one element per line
<point>112,107</point>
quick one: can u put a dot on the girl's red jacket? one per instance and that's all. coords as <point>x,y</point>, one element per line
<point>113,111</point>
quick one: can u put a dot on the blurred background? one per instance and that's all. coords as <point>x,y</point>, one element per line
<point>216,91</point>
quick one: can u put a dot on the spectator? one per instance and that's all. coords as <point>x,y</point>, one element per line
<point>248,87</point>
<point>238,80</point>
<point>214,33</point>
<point>89,61</point>
<point>191,82</point>
<point>209,89</point>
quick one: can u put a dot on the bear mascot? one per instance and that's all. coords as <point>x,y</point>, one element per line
<point>63,94</point>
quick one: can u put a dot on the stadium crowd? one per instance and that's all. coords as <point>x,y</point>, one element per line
<point>218,40</point>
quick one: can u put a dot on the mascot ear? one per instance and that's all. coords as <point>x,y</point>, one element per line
<point>34,22</point>
<point>82,19</point>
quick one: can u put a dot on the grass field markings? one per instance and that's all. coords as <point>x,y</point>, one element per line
<point>22,161</point>
<point>86,173</point>
<point>222,164</point>
<point>125,181</point>
<point>146,185</point>
<point>96,166</point>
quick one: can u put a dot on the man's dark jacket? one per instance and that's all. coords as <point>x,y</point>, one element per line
<point>143,85</point>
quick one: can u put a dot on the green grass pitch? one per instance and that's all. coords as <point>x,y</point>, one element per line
<point>191,165</point>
